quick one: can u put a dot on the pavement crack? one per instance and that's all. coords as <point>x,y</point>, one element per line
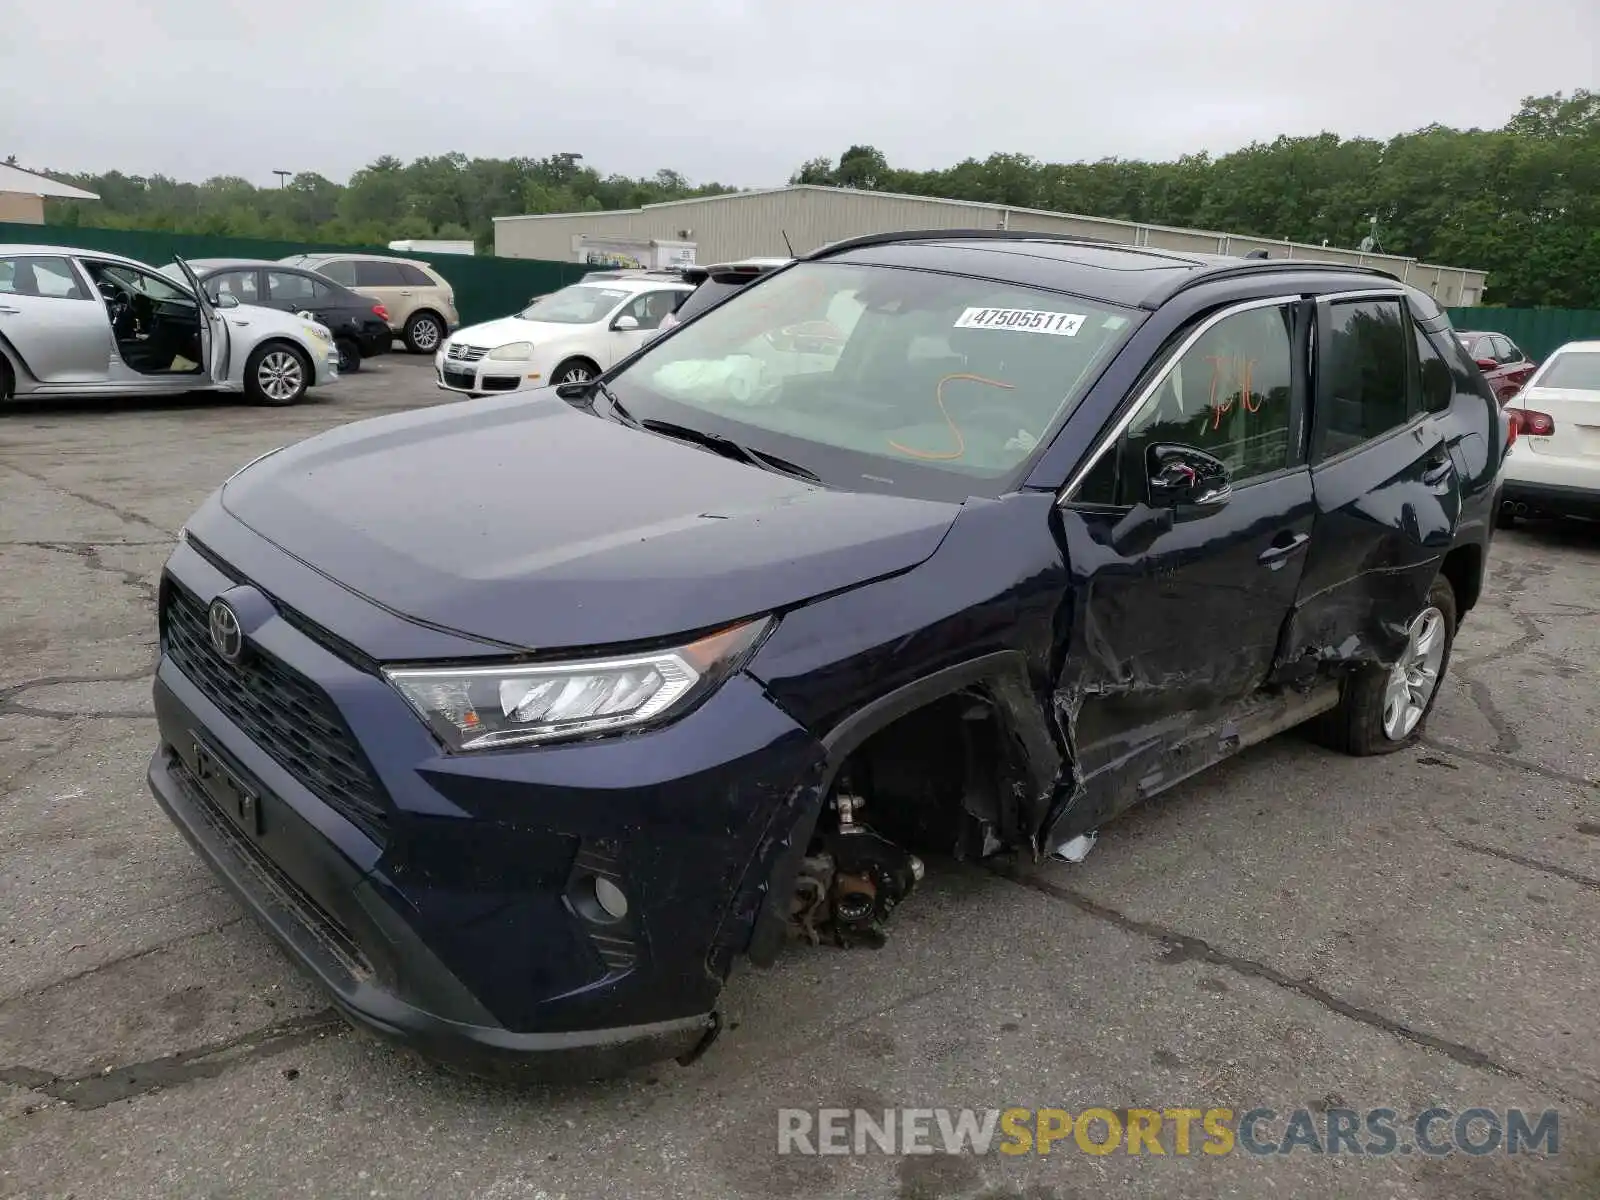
<point>133,956</point>
<point>1533,864</point>
<point>1181,948</point>
<point>1488,758</point>
<point>9,703</point>
<point>127,516</point>
<point>1515,586</point>
<point>89,554</point>
<point>96,1089</point>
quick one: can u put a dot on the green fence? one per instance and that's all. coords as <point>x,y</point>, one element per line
<point>485,288</point>
<point>1538,331</point>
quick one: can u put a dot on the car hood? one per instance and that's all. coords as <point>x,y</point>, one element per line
<point>514,329</point>
<point>525,522</point>
<point>270,320</point>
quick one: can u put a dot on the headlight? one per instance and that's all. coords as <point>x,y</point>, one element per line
<point>479,708</point>
<point>514,350</point>
<point>320,332</point>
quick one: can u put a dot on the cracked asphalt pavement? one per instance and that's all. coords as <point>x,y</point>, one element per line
<point>1293,929</point>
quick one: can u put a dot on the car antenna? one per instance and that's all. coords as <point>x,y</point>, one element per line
<point>787,246</point>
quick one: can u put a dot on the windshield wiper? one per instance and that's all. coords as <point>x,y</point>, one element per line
<point>729,448</point>
<point>617,410</point>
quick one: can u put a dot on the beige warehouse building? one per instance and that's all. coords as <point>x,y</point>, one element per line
<point>743,224</point>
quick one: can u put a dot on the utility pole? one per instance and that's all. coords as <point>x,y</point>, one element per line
<point>282,176</point>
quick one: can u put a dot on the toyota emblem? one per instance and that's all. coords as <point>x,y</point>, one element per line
<point>227,638</point>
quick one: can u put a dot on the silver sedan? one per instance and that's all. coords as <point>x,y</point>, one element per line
<point>81,322</point>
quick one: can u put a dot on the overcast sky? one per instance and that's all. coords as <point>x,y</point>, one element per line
<point>742,91</point>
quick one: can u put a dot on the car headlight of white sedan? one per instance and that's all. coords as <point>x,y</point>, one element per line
<point>514,352</point>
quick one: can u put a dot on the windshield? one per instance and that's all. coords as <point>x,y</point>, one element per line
<point>881,377</point>
<point>580,304</point>
<point>1579,369</point>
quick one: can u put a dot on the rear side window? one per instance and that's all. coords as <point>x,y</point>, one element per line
<point>1578,369</point>
<point>414,276</point>
<point>1363,387</point>
<point>241,285</point>
<point>40,276</point>
<point>371,273</point>
<point>294,288</point>
<point>341,270</point>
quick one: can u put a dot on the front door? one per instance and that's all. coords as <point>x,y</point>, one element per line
<point>646,309</point>
<point>213,329</point>
<point>1177,610</point>
<point>53,320</point>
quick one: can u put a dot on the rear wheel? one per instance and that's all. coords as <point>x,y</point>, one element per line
<point>349,356</point>
<point>574,370</point>
<point>276,374</point>
<point>424,331</point>
<point>1384,709</point>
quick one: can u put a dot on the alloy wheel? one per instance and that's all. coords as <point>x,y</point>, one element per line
<point>425,334</point>
<point>1415,676</point>
<point>280,375</point>
<point>575,375</point>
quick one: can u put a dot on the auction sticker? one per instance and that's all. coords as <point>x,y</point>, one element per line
<point>1024,320</point>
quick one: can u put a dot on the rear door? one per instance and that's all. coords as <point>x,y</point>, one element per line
<point>1386,485</point>
<point>55,323</point>
<point>383,281</point>
<point>1519,367</point>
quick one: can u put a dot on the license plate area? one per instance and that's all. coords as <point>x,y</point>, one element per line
<point>227,791</point>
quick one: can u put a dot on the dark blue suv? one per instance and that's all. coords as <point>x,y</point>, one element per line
<point>516,721</point>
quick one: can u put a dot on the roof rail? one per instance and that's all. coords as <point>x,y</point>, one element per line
<point>966,235</point>
<point>1266,266</point>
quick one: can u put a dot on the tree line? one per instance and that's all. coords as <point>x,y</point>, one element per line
<point>1521,202</point>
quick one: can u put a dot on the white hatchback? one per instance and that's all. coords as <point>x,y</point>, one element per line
<point>569,336</point>
<point>1553,467</point>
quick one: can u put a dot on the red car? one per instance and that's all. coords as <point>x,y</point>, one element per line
<point>1505,367</point>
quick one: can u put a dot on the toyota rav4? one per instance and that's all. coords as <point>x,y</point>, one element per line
<point>518,721</point>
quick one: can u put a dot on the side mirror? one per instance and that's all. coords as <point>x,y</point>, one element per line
<point>1184,477</point>
<point>226,300</point>
<point>1486,364</point>
<point>625,322</point>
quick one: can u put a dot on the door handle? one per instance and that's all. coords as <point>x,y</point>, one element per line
<point>10,311</point>
<point>1437,469</point>
<point>1274,556</point>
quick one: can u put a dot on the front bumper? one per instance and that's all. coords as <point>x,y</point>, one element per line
<point>483,377</point>
<point>451,916</point>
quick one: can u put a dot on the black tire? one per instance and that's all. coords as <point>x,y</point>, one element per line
<point>266,362</point>
<point>1356,726</point>
<point>349,356</point>
<point>8,381</point>
<point>569,371</point>
<point>424,332</point>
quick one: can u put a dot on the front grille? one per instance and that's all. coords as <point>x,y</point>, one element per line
<point>281,711</point>
<point>466,353</point>
<point>460,379</point>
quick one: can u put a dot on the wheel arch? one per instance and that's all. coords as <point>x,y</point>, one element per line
<point>1463,569</point>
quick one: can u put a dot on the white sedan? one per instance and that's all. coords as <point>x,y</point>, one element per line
<point>569,336</point>
<point>1553,467</point>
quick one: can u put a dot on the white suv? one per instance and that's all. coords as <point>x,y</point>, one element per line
<point>569,336</point>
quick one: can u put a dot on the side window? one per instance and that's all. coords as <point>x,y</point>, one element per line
<point>1513,355</point>
<point>1230,394</point>
<point>289,287</point>
<point>649,308</point>
<point>40,276</point>
<point>341,270</point>
<point>1363,388</point>
<point>413,276</point>
<point>239,284</point>
<point>376,273</point>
